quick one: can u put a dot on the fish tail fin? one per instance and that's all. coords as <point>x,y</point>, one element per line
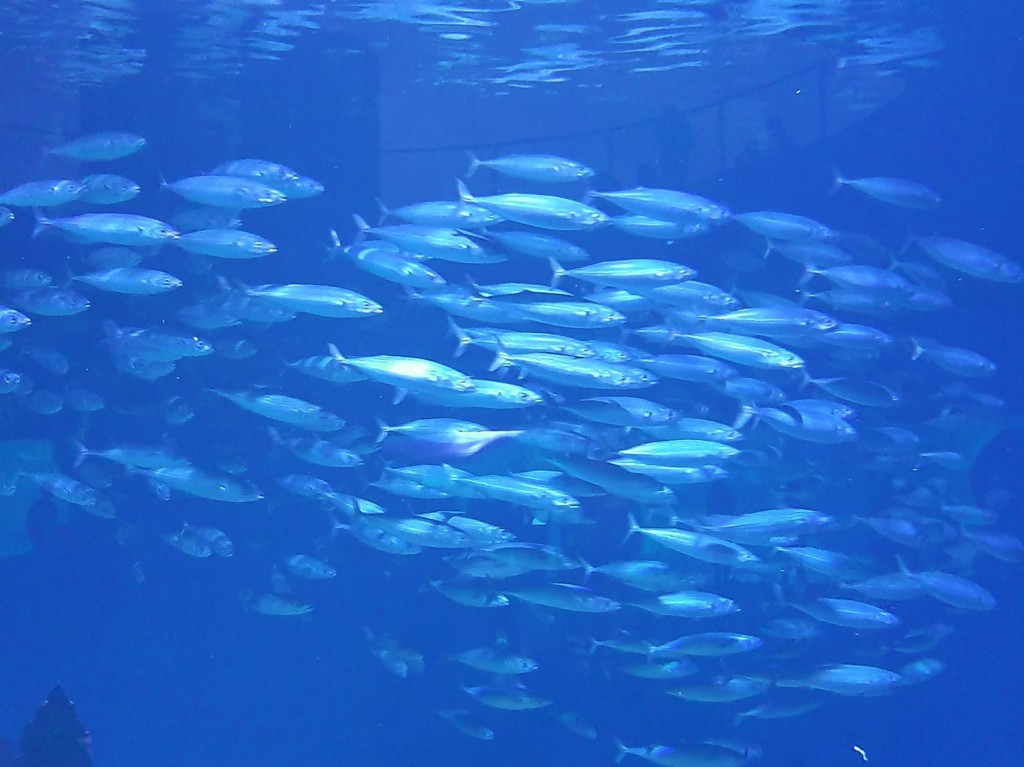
<point>807,295</point>
<point>917,349</point>
<point>810,270</point>
<point>335,354</point>
<point>474,164</point>
<point>777,589</point>
<point>336,525</point>
<point>746,414</point>
<point>557,272</point>
<point>111,331</point>
<point>239,286</point>
<point>768,248</point>
<point>805,379</point>
<point>633,527</point>
<point>587,569</point>
<point>838,180</point>
<point>464,193</point>
<point>461,336</point>
<point>501,359</point>
<point>335,247</point>
<point>621,750</point>
<point>41,222</point>
<point>81,453</point>
<point>382,430</point>
<point>383,210</point>
<point>587,191</point>
<point>223,285</point>
<point>550,396</point>
<point>362,228</point>
<point>409,294</point>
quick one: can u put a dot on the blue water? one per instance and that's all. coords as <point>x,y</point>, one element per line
<point>157,649</point>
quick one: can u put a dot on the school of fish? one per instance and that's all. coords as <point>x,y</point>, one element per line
<point>753,500</point>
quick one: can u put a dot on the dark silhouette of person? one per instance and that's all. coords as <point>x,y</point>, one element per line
<point>750,156</point>
<point>55,737</point>
<point>778,139</point>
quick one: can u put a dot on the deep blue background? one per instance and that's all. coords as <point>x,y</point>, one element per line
<point>172,672</point>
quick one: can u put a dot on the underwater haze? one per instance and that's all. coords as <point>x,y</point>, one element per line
<point>505,382</point>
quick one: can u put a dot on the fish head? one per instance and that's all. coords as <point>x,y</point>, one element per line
<point>133,142</point>
<point>165,282</point>
<point>612,317</point>
<point>1010,271</point>
<point>823,323</point>
<point>11,320</point>
<point>306,187</point>
<point>368,307</point>
<point>643,377</point>
<point>527,397</point>
<point>71,302</point>
<point>163,231</point>
<point>9,380</point>
<point>717,213</point>
<point>198,347</point>
<point>582,172</point>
